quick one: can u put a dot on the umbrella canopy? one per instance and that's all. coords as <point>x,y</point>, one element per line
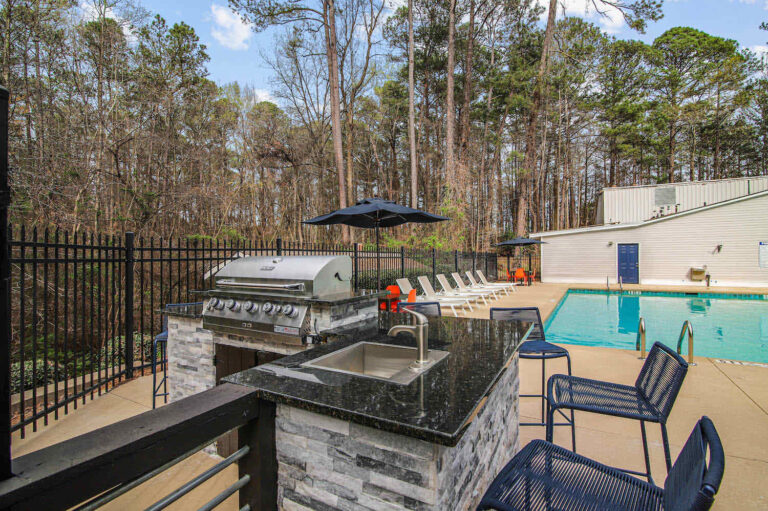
<point>372,214</point>
<point>375,212</point>
<point>520,242</point>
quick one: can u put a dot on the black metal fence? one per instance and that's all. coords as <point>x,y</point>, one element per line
<point>85,308</point>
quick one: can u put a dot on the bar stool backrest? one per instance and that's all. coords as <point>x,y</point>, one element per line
<point>692,483</point>
<point>531,314</point>
<point>426,308</point>
<point>661,377</point>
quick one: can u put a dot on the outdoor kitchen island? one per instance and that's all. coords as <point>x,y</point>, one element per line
<point>344,441</point>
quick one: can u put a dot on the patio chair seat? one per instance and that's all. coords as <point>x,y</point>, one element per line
<point>600,396</point>
<point>541,348</point>
<point>545,476</point>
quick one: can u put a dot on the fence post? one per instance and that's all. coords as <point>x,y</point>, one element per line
<point>434,265</point>
<point>402,262</point>
<point>354,261</point>
<point>455,260</point>
<point>128,322</point>
<point>279,246</point>
<point>5,296</point>
<point>474,261</point>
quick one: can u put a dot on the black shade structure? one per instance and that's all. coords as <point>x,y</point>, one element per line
<point>374,213</point>
<point>520,242</point>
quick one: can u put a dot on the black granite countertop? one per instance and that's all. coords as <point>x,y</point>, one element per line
<point>435,407</point>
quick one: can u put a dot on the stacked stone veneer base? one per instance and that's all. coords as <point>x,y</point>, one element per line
<point>328,464</point>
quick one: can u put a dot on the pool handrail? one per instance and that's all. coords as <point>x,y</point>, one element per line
<point>640,343</point>
<point>687,327</point>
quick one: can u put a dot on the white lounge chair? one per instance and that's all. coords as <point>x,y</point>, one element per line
<point>431,295</point>
<point>451,303</point>
<point>474,284</point>
<point>508,285</point>
<point>450,291</point>
<point>477,289</point>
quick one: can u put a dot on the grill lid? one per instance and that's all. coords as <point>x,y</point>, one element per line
<point>315,276</point>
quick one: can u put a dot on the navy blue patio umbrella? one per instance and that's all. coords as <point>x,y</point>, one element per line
<point>374,213</point>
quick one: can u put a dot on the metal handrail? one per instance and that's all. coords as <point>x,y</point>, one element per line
<point>607,286</point>
<point>197,481</point>
<point>640,343</point>
<point>687,327</point>
<point>621,284</point>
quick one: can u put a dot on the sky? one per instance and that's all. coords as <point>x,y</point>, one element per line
<point>237,52</point>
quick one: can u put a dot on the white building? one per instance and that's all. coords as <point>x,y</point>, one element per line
<point>719,232</point>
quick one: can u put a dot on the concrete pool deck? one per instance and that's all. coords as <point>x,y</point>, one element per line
<point>734,396</point>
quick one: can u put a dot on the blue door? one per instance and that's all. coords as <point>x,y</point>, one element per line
<point>629,265</point>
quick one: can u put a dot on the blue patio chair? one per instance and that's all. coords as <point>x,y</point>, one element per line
<point>650,399</point>
<point>544,476</point>
<point>161,342</point>
<point>426,308</point>
<point>537,348</point>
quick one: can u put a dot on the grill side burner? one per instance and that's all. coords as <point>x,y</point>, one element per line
<point>271,297</point>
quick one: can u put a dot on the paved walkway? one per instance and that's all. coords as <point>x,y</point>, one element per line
<point>734,396</point>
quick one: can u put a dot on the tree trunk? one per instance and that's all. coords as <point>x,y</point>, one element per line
<point>468,83</point>
<point>533,116</point>
<point>412,113</point>
<point>329,11</point>
<point>450,115</point>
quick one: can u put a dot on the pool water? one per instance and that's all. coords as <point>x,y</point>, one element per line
<point>724,327</point>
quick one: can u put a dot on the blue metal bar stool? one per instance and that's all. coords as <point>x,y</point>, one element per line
<point>544,476</point>
<point>161,342</point>
<point>537,348</point>
<point>426,308</point>
<point>650,399</point>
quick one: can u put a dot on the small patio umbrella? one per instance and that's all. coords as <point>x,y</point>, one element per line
<point>372,214</point>
<point>520,242</point>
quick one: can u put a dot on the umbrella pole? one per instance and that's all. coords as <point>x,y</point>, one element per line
<point>378,260</point>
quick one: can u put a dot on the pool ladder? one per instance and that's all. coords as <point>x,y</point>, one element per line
<point>687,328</point>
<point>608,286</point>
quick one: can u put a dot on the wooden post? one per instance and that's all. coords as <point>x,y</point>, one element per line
<point>261,462</point>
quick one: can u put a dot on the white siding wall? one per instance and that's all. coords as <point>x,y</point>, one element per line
<point>638,203</point>
<point>668,248</point>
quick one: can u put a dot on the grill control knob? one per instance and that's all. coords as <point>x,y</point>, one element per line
<point>267,307</point>
<point>278,308</point>
<point>212,303</point>
<point>251,307</point>
<point>289,310</point>
<point>233,305</point>
<point>219,304</point>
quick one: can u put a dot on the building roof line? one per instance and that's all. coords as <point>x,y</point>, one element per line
<point>683,183</point>
<point>633,225</point>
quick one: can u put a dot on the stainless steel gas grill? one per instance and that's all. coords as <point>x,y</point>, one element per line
<point>279,299</point>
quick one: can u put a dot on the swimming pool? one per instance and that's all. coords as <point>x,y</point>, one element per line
<point>725,326</point>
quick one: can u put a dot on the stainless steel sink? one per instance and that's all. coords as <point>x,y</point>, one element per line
<point>395,364</point>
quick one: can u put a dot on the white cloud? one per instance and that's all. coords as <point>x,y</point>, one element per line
<point>760,50</point>
<point>229,29</point>
<point>611,20</point>
<point>263,95</point>
<point>89,11</point>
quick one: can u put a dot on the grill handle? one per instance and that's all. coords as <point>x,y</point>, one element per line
<point>294,286</point>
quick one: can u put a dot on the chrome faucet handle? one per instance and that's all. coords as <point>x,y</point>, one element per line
<point>421,319</point>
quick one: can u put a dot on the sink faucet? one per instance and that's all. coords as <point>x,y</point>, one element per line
<point>420,331</point>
